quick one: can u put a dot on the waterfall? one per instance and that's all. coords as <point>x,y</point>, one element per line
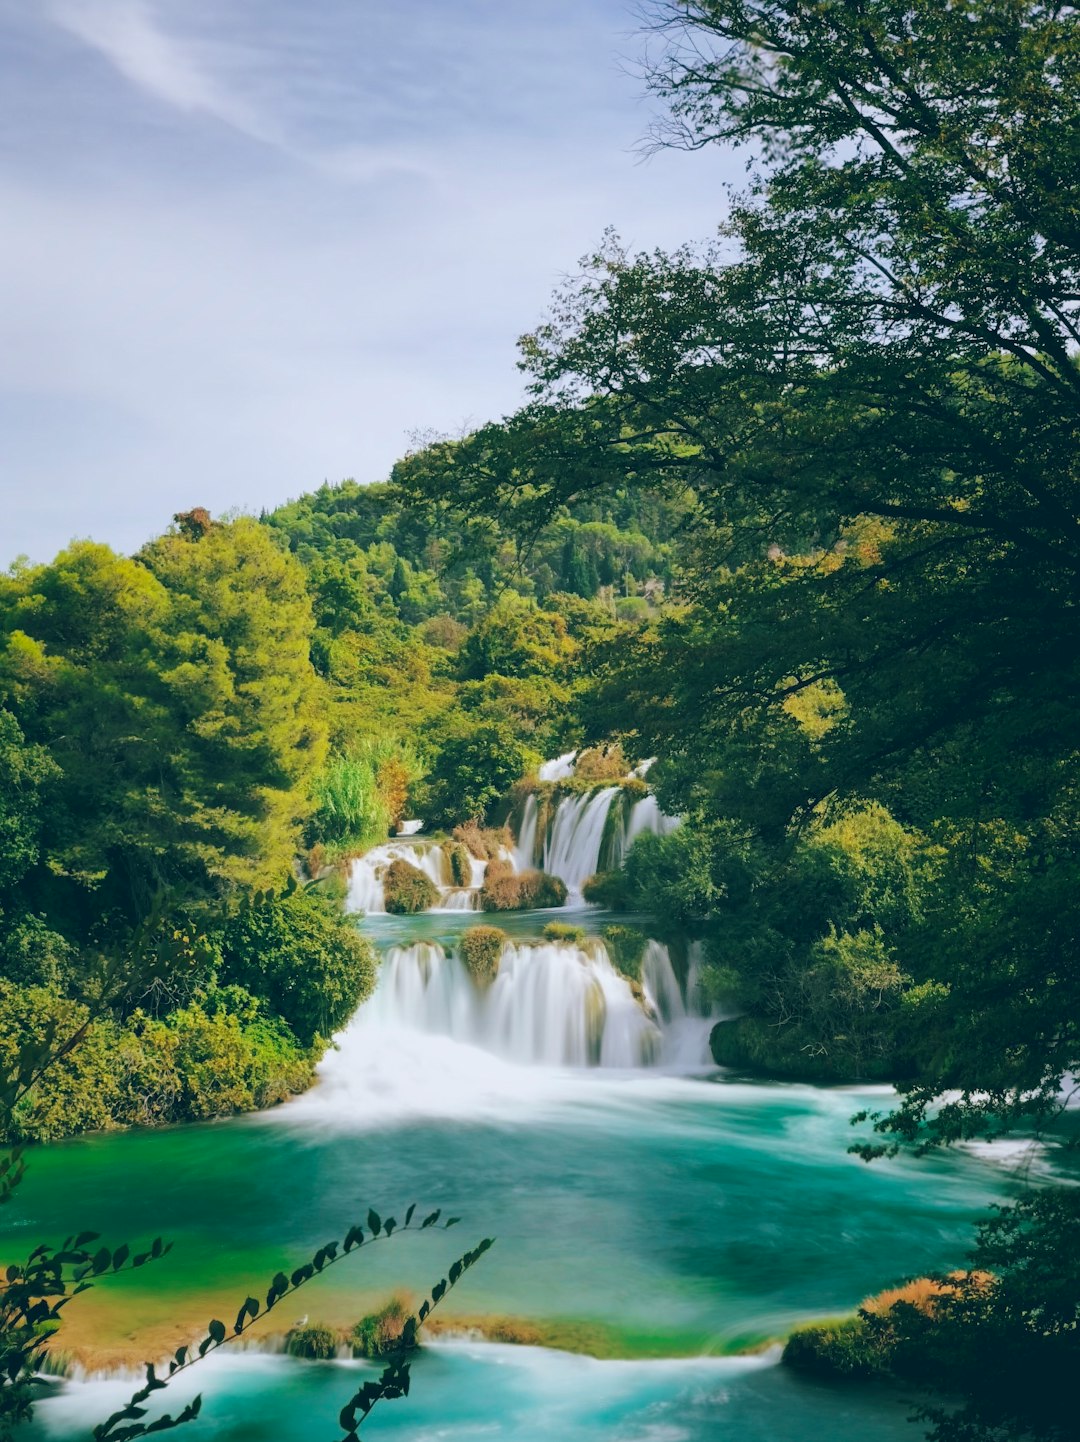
<point>590,831</point>
<point>552,1004</point>
<point>572,849</point>
<point>559,769</point>
<point>366,892</point>
<point>525,850</point>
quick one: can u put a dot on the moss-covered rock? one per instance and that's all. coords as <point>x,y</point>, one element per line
<point>380,1332</point>
<point>459,861</point>
<point>407,889</point>
<point>563,931</point>
<point>505,889</point>
<point>626,947</point>
<point>480,948</point>
<point>316,1341</point>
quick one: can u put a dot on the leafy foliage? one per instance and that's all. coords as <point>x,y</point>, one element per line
<point>407,889</point>
<point>309,962</point>
<point>480,948</point>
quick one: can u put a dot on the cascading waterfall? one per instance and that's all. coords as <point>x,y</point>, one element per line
<point>572,847</point>
<point>366,875</point>
<point>589,831</point>
<point>552,1004</point>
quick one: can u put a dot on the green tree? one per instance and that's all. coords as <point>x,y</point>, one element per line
<point>309,963</point>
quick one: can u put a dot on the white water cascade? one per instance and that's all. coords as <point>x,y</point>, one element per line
<point>367,872</point>
<point>552,1003</point>
<point>572,847</point>
<point>583,837</point>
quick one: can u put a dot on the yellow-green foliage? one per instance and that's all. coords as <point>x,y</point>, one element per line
<point>607,888</point>
<point>480,948</point>
<point>211,1058</point>
<point>407,889</point>
<point>601,763</point>
<point>842,1348</point>
<point>317,1341</point>
<point>563,931</point>
<point>380,1332</point>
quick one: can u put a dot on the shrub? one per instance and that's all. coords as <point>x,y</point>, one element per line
<point>608,888</point>
<point>626,946</point>
<point>213,1058</point>
<point>507,890</point>
<point>303,957</point>
<point>78,1092</point>
<point>380,1332</point>
<point>844,1348</point>
<point>562,931</point>
<point>480,948</point>
<point>316,1341</point>
<point>408,889</point>
<point>483,842</point>
<point>601,763</point>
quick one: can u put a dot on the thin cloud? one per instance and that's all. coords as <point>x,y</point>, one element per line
<point>126,34</point>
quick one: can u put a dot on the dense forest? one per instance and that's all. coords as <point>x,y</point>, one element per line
<point>795,514</point>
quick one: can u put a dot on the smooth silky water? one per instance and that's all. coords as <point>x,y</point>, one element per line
<point>660,1218</point>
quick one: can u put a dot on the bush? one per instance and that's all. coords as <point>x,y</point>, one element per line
<point>601,763</point>
<point>380,1332</point>
<point>316,1341</point>
<point>844,1348</point>
<point>408,889</point>
<point>483,842</point>
<point>626,946</point>
<point>608,889</point>
<point>213,1058</point>
<point>31,954</point>
<point>562,931</point>
<point>303,958</point>
<point>480,949</point>
<point>218,1055</point>
<point>505,889</point>
<point>79,1091</point>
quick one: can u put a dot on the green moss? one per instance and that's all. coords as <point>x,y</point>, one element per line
<point>380,1332</point>
<point>562,931</point>
<point>407,889</point>
<point>626,946</point>
<point>480,948</point>
<point>318,1342</point>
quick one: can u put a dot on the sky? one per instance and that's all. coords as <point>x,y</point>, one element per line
<point>249,246</point>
